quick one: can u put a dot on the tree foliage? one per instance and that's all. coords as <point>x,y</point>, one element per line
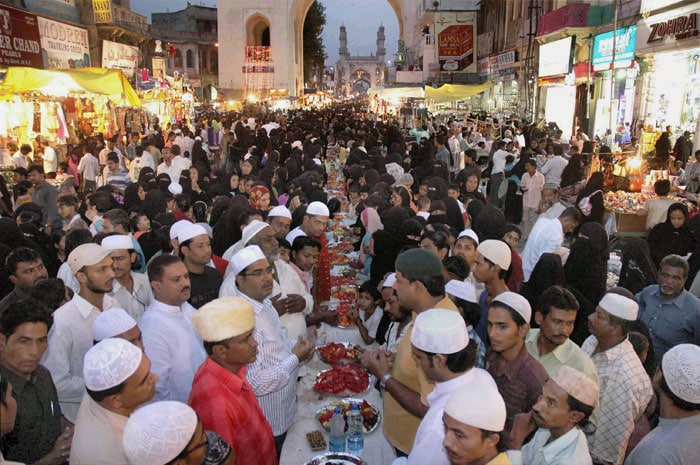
<point>314,50</point>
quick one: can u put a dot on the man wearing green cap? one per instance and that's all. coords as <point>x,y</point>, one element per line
<point>420,285</point>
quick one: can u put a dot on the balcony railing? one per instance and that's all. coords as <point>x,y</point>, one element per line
<point>123,17</point>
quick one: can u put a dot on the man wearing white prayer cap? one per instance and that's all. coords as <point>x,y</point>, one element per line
<point>274,373</point>
<point>195,249</point>
<point>118,379</point>
<point>70,337</point>
<point>169,433</point>
<point>566,404</point>
<point>490,268</point>
<point>627,390</point>
<point>474,419</point>
<point>174,231</point>
<point>518,375</point>
<point>221,394</point>
<point>466,245</point>
<point>280,218</point>
<point>463,294</point>
<point>131,289</point>
<point>116,323</point>
<point>440,344</point>
<point>169,339</point>
<point>677,383</point>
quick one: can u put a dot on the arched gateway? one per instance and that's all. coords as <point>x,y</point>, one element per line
<point>260,45</point>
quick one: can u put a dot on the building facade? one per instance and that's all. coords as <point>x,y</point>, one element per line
<point>357,74</point>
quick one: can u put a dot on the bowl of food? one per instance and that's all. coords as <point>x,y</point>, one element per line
<point>339,352</point>
<point>371,416</point>
<point>342,381</point>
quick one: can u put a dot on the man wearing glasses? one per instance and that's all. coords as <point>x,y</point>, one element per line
<point>274,373</point>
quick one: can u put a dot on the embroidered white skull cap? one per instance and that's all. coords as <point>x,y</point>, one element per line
<point>109,363</point>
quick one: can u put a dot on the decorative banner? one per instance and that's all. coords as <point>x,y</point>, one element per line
<point>624,48</point>
<point>456,34</point>
<point>120,56</point>
<point>102,10</point>
<point>58,9</point>
<point>20,43</point>
<point>63,46</point>
<point>555,57</point>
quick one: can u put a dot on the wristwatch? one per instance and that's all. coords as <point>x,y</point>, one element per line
<point>385,379</point>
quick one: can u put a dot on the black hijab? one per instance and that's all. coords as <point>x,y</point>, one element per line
<point>586,268</point>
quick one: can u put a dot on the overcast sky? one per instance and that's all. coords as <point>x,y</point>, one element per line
<point>362,18</point>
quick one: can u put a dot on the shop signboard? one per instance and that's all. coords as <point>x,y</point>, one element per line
<point>456,37</point>
<point>58,9</point>
<point>20,43</point>
<point>63,46</point>
<point>483,66</point>
<point>625,40</point>
<point>573,15</point>
<point>502,66</point>
<point>485,42</point>
<point>102,11</point>
<point>677,29</point>
<point>120,56</point>
<point>555,57</point>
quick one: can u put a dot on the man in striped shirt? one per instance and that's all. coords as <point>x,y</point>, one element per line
<point>115,175</point>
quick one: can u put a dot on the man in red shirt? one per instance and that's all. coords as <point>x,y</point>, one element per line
<point>221,395</point>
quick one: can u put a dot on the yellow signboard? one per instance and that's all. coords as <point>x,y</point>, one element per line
<point>102,10</point>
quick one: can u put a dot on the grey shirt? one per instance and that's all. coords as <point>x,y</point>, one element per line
<point>673,442</point>
<point>45,196</point>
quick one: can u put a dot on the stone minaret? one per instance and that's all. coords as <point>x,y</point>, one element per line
<point>381,50</point>
<point>343,50</point>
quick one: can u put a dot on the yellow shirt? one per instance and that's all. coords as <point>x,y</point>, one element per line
<point>500,459</point>
<point>400,425</point>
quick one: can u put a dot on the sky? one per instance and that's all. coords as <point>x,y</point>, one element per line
<point>362,18</point>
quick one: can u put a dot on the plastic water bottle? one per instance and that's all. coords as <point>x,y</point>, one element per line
<point>356,435</point>
<point>336,442</point>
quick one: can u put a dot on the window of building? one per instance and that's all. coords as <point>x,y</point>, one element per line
<point>190,59</point>
<point>178,58</point>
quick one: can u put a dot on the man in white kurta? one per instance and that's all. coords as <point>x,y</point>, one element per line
<point>547,236</point>
<point>442,333</point>
<point>169,338</point>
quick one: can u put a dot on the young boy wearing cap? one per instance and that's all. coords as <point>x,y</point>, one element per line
<point>677,383</point>
<point>474,419</point>
<point>518,375</point>
<point>131,290</point>
<point>118,380</point>
<point>70,336</point>
<point>441,345</point>
<point>463,294</point>
<point>627,390</point>
<point>195,250</point>
<point>221,394</point>
<point>490,268</point>
<point>40,433</point>
<point>567,402</point>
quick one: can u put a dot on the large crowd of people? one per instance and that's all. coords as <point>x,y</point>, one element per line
<point>161,291</point>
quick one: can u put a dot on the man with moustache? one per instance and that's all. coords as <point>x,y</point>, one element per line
<point>280,218</point>
<point>273,375</point>
<point>565,405</point>
<point>70,337</point>
<point>169,339</point>
<point>118,380</point>
<point>221,395</point>
<point>25,268</point>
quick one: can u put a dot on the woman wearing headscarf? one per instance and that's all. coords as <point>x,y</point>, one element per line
<point>227,230</point>
<point>372,223</point>
<point>259,198</point>
<point>573,171</point>
<point>474,208</point>
<point>672,236</point>
<point>490,223</point>
<point>154,203</point>
<point>548,272</point>
<point>371,177</point>
<point>638,270</point>
<point>147,178</point>
<point>454,219</point>
<point>586,268</point>
<point>594,208</point>
<point>199,155</point>
<point>134,194</point>
<point>387,243</point>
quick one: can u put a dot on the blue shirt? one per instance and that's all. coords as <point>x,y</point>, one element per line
<point>670,322</point>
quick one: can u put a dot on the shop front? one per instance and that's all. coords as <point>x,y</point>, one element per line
<point>557,84</point>
<point>668,45</point>
<point>502,72</point>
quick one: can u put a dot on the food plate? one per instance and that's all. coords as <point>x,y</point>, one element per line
<point>339,352</point>
<point>343,311</point>
<point>336,458</point>
<point>342,381</point>
<point>370,414</point>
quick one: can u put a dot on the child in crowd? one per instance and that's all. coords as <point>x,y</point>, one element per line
<point>512,236</point>
<point>424,207</point>
<point>463,295</point>
<point>140,224</point>
<point>368,312</point>
<point>657,208</point>
<point>284,251</point>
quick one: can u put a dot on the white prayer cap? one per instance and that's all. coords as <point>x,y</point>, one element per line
<point>516,302</point>
<point>479,405</point>
<point>176,226</point>
<point>197,138</point>
<point>619,306</point>
<point>178,131</point>
<point>252,229</point>
<point>246,257</point>
<point>462,290</point>
<point>86,255</point>
<point>190,231</point>
<point>317,208</point>
<point>175,188</point>
<point>111,323</point>
<point>576,384</point>
<point>495,251</point>
<point>297,143</point>
<point>390,280</point>
<point>440,331</point>
<point>117,242</point>
<point>470,234</point>
<point>223,319</point>
<point>681,369</point>
<point>109,363</point>
<point>280,210</point>
<point>157,433</point>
